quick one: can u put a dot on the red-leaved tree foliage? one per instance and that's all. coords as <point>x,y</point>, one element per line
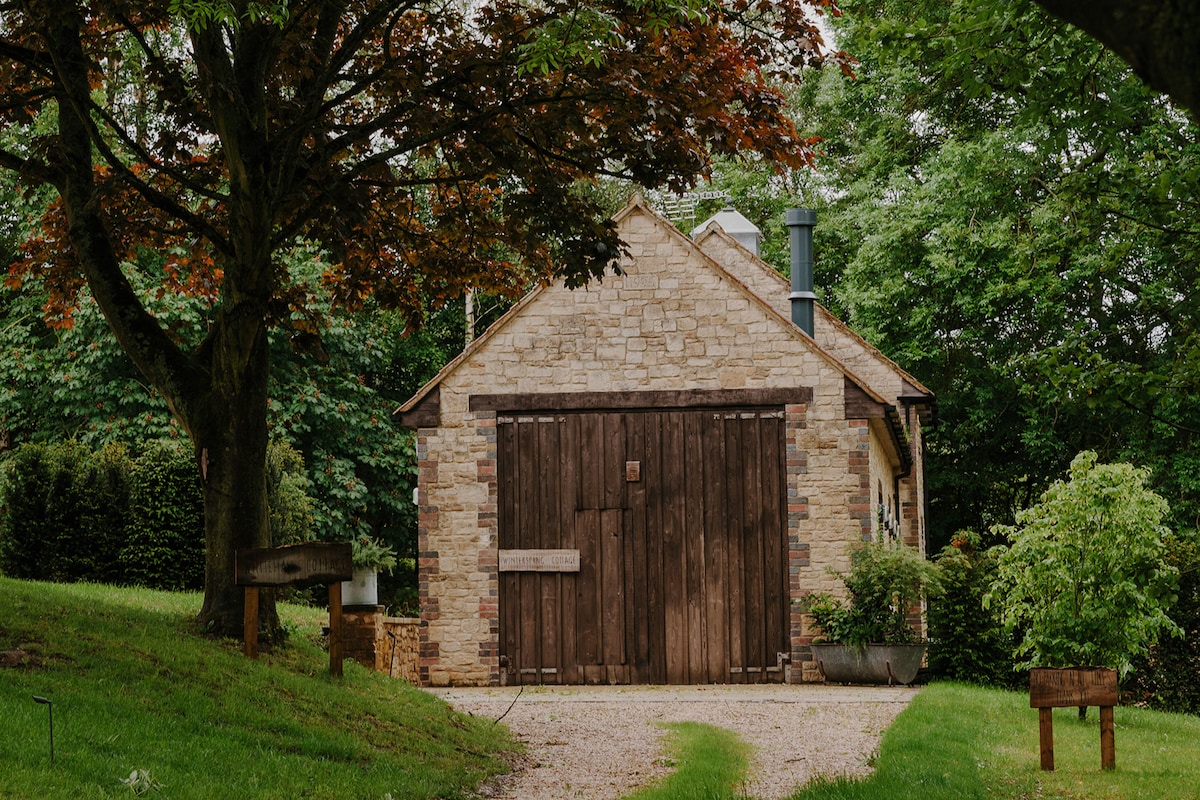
<point>427,146</point>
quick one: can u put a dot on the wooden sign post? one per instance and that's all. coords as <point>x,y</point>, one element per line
<point>1074,687</point>
<point>305,564</point>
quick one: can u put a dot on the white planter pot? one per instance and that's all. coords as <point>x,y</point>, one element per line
<point>362,590</point>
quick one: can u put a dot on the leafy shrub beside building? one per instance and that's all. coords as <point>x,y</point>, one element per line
<point>966,640</point>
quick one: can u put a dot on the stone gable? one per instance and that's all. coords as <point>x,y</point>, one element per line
<point>674,321</point>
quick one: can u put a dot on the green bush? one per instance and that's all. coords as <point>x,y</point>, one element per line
<point>164,544</point>
<point>64,512</point>
<point>1164,679</point>
<point>886,583</point>
<point>69,513</point>
<point>966,640</point>
<point>287,495</point>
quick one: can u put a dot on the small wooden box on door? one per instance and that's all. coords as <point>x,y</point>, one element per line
<point>679,517</point>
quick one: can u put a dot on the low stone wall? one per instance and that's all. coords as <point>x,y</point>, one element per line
<point>400,657</point>
<point>390,645</point>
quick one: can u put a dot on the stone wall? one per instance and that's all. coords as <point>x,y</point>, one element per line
<point>868,365</point>
<point>399,654</point>
<point>390,645</point>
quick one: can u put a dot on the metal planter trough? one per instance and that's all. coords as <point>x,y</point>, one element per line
<point>872,663</point>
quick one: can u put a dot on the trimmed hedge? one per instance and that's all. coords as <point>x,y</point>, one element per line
<point>1165,678</point>
<point>65,512</point>
<point>69,513</point>
<point>164,541</point>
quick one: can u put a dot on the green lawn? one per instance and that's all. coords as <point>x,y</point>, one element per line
<point>959,742</point>
<point>709,763</point>
<point>133,690</point>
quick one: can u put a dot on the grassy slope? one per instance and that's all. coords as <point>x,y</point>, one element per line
<point>958,742</point>
<point>132,689</point>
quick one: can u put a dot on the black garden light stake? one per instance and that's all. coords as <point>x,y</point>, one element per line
<point>50,706</point>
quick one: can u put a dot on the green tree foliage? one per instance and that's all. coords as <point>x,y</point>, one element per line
<point>1007,211</point>
<point>1085,577</point>
<point>287,496</point>
<point>76,383</point>
<point>327,400</point>
<point>428,147</point>
<point>1159,40</point>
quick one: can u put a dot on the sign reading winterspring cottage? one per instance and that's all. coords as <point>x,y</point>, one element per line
<point>539,561</point>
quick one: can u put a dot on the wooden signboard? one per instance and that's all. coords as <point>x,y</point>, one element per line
<point>539,561</point>
<point>1074,687</point>
<point>305,564</point>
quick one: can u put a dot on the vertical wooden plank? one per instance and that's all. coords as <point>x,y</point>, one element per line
<point>774,527</point>
<point>507,466</point>
<point>589,625</point>
<point>570,455</point>
<point>1108,746</point>
<point>591,441</point>
<point>627,593</point>
<point>614,550</point>
<point>1046,737</point>
<point>674,552</point>
<point>549,460</point>
<point>638,580</point>
<point>654,479</point>
<point>748,433</point>
<point>250,622</point>
<point>735,546</point>
<point>529,664</point>
<point>716,619</point>
<point>695,467</point>
<point>590,622</point>
<point>613,455</point>
<point>335,629</point>
<point>612,584</point>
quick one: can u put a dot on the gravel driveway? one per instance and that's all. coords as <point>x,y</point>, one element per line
<point>599,743</point>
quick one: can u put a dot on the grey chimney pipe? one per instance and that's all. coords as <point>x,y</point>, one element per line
<point>800,222</point>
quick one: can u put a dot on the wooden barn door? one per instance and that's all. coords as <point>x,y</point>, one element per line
<point>679,519</point>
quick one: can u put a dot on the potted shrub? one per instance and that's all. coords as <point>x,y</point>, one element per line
<point>370,558</point>
<point>868,637</point>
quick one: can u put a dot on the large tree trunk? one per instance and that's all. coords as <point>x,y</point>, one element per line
<point>231,449</point>
<point>219,392</point>
<point>1161,41</point>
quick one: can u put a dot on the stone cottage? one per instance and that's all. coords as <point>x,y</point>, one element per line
<point>637,481</point>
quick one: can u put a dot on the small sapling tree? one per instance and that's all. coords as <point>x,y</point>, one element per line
<point>1084,575</point>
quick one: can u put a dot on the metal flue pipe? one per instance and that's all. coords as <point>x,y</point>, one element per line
<point>800,222</point>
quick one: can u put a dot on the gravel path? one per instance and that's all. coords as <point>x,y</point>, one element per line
<point>599,743</point>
